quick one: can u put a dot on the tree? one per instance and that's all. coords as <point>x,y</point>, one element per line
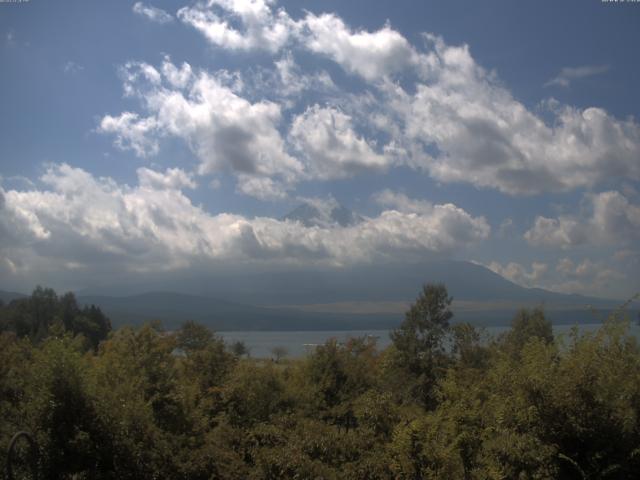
<point>253,394</point>
<point>419,339</point>
<point>93,324</point>
<point>467,346</point>
<point>426,322</point>
<point>36,315</point>
<point>68,310</point>
<point>279,352</point>
<point>59,410</point>
<point>43,306</point>
<point>239,348</point>
<point>206,361</point>
<point>192,336</point>
<point>526,325</point>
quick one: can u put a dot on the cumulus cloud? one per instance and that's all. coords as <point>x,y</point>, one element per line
<point>587,276</point>
<point>132,132</point>
<point>562,232</point>
<point>139,76</point>
<point>172,178</point>
<point>287,81</point>
<point>325,136</point>
<point>468,128</point>
<point>262,27</point>
<point>519,274</point>
<point>615,218</point>
<point>401,202</point>
<point>586,268</point>
<point>369,54</point>
<point>292,81</point>
<point>229,133</point>
<point>152,13</point>
<point>569,74</point>
<point>449,118</point>
<point>91,222</point>
<point>611,220</point>
<point>225,131</point>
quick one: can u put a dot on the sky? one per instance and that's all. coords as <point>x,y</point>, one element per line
<point>161,138</point>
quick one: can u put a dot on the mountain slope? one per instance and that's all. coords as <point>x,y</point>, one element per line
<point>305,300</point>
<point>174,308</point>
<point>6,297</point>
<point>393,282</point>
<point>331,299</point>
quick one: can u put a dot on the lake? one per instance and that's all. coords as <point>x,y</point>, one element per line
<point>299,344</point>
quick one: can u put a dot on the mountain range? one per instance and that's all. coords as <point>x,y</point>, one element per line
<point>353,299</point>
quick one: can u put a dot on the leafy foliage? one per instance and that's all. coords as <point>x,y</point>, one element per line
<point>443,401</point>
<point>35,316</point>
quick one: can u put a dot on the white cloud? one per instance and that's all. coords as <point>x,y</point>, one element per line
<point>152,13</point>
<point>457,122</point>
<point>225,131</point>
<point>263,188</point>
<point>562,232</point>
<point>177,77</point>
<point>369,54</point>
<point>483,136</point>
<point>325,136</point>
<point>173,178</point>
<point>587,277</point>
<point>262,28</point>
<point>519,274</point>
<point>402,203</point>
<point>95,223</point>
<point>293,81</point>
<point>565,266</point>
<point>615,219</point>
<point>287,80</point>
<point>569,74</point>
<point>612,220</point>
<point>139,77</point>
<point>72,68</point>
<point>132,132</point>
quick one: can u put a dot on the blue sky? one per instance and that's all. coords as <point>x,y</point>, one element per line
<point>159,137</point>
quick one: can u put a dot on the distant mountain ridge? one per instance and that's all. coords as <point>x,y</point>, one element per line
<point>6,297</point>
<point>172,309</point>
<point>390,282</point>
<point>239,302</point>
<point>276,300</point>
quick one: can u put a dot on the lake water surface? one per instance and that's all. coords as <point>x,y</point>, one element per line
<point>298,344</point>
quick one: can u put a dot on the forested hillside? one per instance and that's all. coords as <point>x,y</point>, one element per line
<point>443,401</point>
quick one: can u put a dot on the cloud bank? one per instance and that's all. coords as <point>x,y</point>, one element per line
<point>82,222</point>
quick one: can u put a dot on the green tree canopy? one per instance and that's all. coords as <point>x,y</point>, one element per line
<point>419,341</point>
